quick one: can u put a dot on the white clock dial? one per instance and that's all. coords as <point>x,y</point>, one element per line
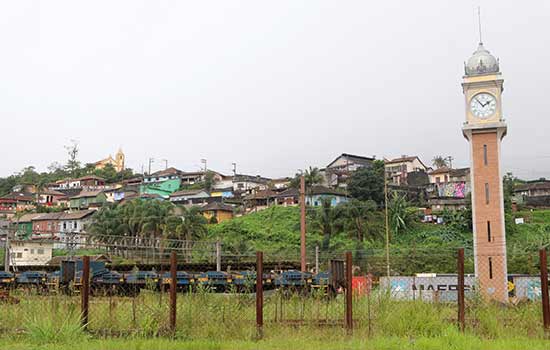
<point>483,105</point>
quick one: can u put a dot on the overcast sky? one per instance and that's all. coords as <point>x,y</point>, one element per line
<point>273,86</point>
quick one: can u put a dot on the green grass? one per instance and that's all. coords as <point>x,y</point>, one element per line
<point>450,340</point>
<point>227,321</point>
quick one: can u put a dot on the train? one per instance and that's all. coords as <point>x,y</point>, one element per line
<point>68,279</point>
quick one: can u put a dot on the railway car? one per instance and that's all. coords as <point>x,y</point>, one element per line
<point>52,280</point>
<point>135,281</point>
<point>184,281</point>
<point>245,281</point>
<point>218,281</point>
<point>294,280</point>
<point>108,283</point>
<point>7,280</point>
<point>32,279</point>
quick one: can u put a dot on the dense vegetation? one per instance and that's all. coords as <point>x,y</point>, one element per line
<point>73,168</point>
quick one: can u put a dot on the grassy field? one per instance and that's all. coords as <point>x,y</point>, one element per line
<point>451,340</point>
<point>223,321</point>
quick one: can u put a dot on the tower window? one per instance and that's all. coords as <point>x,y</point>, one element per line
<point>486,193</point>
<point>485,155</point>
<point>489,231</point>
<point>491,268</point>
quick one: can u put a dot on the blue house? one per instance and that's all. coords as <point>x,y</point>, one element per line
<point>316,194</point>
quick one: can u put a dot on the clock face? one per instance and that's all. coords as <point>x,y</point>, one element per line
<point>483,105</point>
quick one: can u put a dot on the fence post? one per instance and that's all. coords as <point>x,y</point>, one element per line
<point>349,293</point>
<point>316,259</point>
<point>259,293</point>
<point>218,256</point>
<point>85,301</point>
<point>544,289</point>
<point>173,295</point>
<point>460,287</point>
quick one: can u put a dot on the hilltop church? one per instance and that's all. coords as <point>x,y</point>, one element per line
<point>117,162</point>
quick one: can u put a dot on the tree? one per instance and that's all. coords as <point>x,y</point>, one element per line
<point>367,183</point>
<point>401,214</point>
<point>209,180</point>
<point>359,219</point>
<point>312,177</point>
<point>439,162</point>
<point>324,219</point>
<point>108,172</point>
<point>73,165</point>
<point>508,185</point>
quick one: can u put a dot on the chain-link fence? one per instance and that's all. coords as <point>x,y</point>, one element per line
<point>339,293</point>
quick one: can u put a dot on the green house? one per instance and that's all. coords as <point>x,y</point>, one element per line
<point>164,188</point>
<point>23,224</point>
<point>88,199</point>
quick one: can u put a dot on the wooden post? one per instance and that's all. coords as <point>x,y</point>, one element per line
<point>460,296</point>
<point>259,293</point>
<point>349,293</point>
<point>85,301</point>
<point>303,222</point>
<point>544,289</point>
<point>173,294</point>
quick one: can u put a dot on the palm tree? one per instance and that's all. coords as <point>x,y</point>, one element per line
<point>439,161</point>
<point>191,228</point>
<point>324,220</point>
<point>358,218</point>
<point>313,177</point>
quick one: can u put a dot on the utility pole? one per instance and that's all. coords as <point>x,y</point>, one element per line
<point>165,163</point>
<point>151,160</point>
<point>387,224</point>
<point>7,252</point>
<point>303,222</point>
<point>234,169</point>
<point>203,161</point>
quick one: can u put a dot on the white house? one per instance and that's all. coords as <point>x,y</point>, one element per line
<point>71,227</point>
<point>30,253</point>
<point>248,183</point>
<point>397,169</point>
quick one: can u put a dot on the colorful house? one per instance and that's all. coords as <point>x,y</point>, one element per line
<point>316,194</point>
<point>220,211</point>
<point>45,225</point>
<point>23,224</point>
<point>222,192</point>
<point>50,198</point>
<point>189,197</point>
<point>163,189</point>
<point>88,199</point>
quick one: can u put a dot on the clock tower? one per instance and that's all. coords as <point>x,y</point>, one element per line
<point>484,129</point>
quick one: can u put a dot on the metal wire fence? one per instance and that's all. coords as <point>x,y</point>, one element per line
<point>339,294</point>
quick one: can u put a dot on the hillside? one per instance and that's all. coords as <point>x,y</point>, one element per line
<point>427,247</point>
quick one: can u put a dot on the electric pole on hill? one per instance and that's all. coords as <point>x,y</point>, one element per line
<point>303,222</point>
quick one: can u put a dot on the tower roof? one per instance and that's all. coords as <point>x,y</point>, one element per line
<point>481,62</point>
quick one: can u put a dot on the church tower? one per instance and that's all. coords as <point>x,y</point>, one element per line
<point>484,129</point>
<point>119,160</point>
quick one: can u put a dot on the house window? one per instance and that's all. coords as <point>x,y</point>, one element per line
<point>40,251</point>
<point>486,193</point>
<point>485,154</point>
<point>437,179</point>
<point>32,251</point>
<point>19,255</point>
<point>489,231</point>
<point>64,225</point>
<point>491,268</point>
